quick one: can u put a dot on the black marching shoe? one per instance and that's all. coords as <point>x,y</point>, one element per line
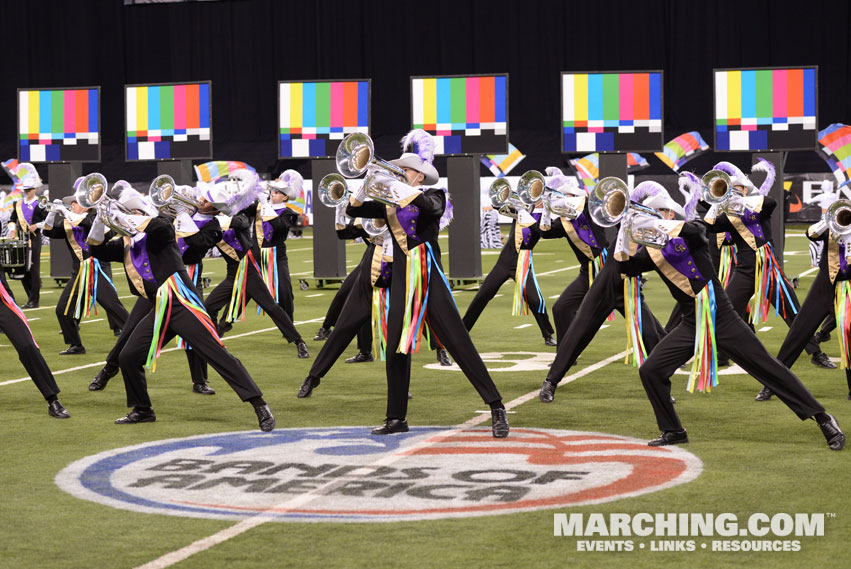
<point>360,357</point>
<point>30,304</point>
<point>102,378</point>
<point>307,386</point>
<point>764,394</point>
<point>265,418</point>
<point>73,350</point>
<point>821,360</point>
<point>499,423</point>
<point>832,433</point>
<point>548,392</point>
<point>725,362</point>
<point>116,332</point>
<point>322,334</point>
<point>391,426</point>
<point>821,336</point>
<point>203,388</point>
<point>301,347</point>
<point>669,438</point>
<point>137,415</point>
<point>443,357</point>
<point>223,327</point>
<point>549,340</point>
<point>55,409</point>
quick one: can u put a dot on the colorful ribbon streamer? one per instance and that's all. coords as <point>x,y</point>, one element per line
<point>380,313</point>
<point>843,321</point>
<point>769,280</point>
<point>84,291</point>
<point>635,350</point>
<point>269,272</point>
<point>6,298</point>
<point>704,368</point>
<point>726,263</point>
<point>525,267</point>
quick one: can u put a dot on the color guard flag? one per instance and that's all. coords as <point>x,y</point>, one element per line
<point>835,145</point>
<point>682,149</point>
<point>212,171</point>
<point>502,164</point>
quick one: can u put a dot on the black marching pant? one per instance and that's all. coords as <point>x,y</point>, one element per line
<point>181,322</point>
<point>604,295</point>
<point>285,285</point>
<point>107,298</point>
<point>255,290</point>
<point>740,290</point>
<point>569,301</point>
<point>445,321</point>
<point>743,347</point>
<point>354,320</point>
<point>490,286</point>
<point>32,278</point>
<point>21,339</point>
<point>340,298</point>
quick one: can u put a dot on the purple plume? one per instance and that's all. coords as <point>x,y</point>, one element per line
<point>420,143</point>
<point>448,212</point>
<point>765,166</point>
<point>689,185</point>
<point>730,169</point>
<point>250,188</point>
<point>645,190</point>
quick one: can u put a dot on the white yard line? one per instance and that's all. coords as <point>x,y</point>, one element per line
<point>299,501</point>
<point>558,270</point>
<point>101,364</point>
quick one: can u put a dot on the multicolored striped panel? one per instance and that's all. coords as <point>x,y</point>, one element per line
<point>59,125</point>
<point>835,145</point>
<point>168,122</point>
<point>682,149</point>
<point>466,115</point>
<point>314,116</point>
<point>766,109</point>
<point>611,112</point>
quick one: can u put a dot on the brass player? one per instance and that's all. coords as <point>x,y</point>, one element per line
<point>26,223</point>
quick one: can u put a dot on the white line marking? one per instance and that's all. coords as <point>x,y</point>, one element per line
<point>808,272</point>
<point>554,296</point>
<point>317,294</point>
<point>101,364</point>
<point>90,321</point>
<point>764,329</point>
<point>32,319</point>
<point>522,326</point>
<point>183,553</point>
<point>557,270</point>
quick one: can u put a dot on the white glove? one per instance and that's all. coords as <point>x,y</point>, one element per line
<point>524,218</point>
<point>127,222</point>
<point>546,220</point>
<point>359,195</point>
<point>96,233</point>
<point>50,219</point>
<point>402,193</point>
<point>340,217</point>
<point>712,214</point>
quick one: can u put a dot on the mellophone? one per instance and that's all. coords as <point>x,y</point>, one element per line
<point>13,256</point>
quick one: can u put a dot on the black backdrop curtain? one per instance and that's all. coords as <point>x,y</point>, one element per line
<point>246,46</point>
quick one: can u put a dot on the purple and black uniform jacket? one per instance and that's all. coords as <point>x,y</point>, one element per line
<point>194,247</point>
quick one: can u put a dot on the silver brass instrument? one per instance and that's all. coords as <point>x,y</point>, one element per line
<point>355,154</point>
<point>531,187</point>
<point>563,205</point>
<point>171,199</point>
<point>609,204</point>
<point>838,217</point>
<point>374,227</point>
<point>93,192</point>
<point>333,190</point>
<point>716,186</point>
<point>504,199</point>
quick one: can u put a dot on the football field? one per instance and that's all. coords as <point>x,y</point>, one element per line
<point>202,488</point>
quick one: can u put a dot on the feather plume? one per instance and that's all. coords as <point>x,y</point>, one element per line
<point>448,211</point>
<point>420,143</point>
<point>647,189</point>
<point>766,166</point>
<point>250,188</point>
<point>689,186</point>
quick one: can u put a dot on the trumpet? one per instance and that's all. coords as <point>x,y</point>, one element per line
<point>171,199</point>
<point>609,204</point>
<point>333,190</point>
<point>563,205</point>
<point>93,193</point>
<point>355,154</point>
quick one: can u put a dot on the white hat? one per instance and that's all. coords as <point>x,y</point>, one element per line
<point>131,199</point>
<point>664,201</point>
<point>233,195</point>
<point>418,154</point>
<point>288,183</point>
<point>736,175</point>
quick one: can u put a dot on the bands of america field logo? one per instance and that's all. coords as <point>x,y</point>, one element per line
<point>344,474</point>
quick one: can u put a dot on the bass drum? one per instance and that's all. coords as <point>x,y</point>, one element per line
<point>14,257</point>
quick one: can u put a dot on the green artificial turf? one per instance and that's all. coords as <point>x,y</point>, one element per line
<point>757,457</point>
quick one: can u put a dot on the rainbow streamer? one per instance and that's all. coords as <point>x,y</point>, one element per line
<point>217,169</point>
<point>525,267</point>
<point>380,313</point>
<point>843,321</point>
<point>236,306</point>
<point>704,368</point>
<point>194,273</point>
<point>269,272</point>
<point>175,289</point>
<point>417,278</point>
<point>726,264</point>
<point>632,317</point>
<point>769,279</point>
<point>7,300</point>
<point>85,288</point>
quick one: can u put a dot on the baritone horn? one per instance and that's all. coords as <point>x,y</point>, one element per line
<point>93,193</point>
<point>171,199</point>
<point>838,217</point>
<point>531,187</point>
<point>92,190</point>
<point>355,155</point>
<point>716,186</point>
<point>609,204</point>
<point>333,190</point>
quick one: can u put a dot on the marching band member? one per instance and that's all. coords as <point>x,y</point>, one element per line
<point>273,222</point>
<point>14,324</point>
<point>243,281</point>
<point>830,290</point>
<point>678,252</point>
<point>608,291</point>
<point>155,271</point>
<point>88,283</point>
<point>421,292</point>
<point>515,262</point>
<point>746,216</point>
<point>29,217</point>
<point>586,239</point>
